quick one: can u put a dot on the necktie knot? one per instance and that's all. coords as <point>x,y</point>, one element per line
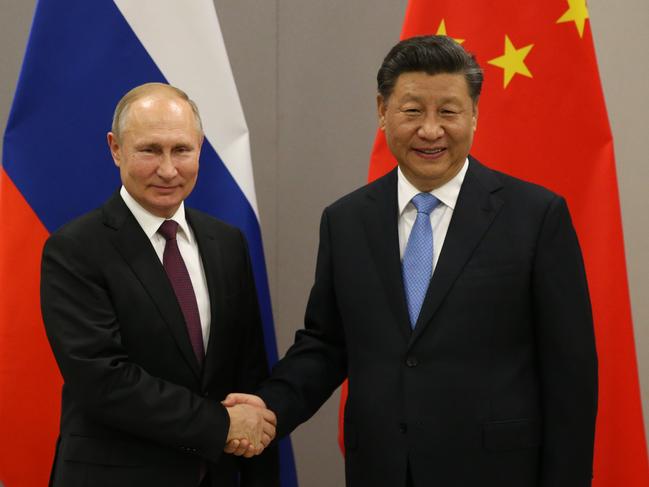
<point>168,229</point>
<point>425,203</point>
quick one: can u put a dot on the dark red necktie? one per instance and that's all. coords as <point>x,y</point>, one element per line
<point>182,285</point>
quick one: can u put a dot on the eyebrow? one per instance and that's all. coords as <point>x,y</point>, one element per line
<point>412,97</point>
<point>183,143</point>
<point>141,145</point>
<point>451,99</point>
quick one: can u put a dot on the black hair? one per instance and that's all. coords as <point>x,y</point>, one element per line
<point>432,55</point>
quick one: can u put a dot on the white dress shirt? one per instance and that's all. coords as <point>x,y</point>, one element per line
<point>440,217</point>
<point>188,247</point>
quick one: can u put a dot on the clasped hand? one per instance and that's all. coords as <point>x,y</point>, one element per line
<point>252,425</point>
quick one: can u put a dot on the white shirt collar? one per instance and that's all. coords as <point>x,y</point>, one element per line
<point>446,193</point>
<point>150,222</point>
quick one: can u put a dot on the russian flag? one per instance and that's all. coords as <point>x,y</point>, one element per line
<point>81,58</point>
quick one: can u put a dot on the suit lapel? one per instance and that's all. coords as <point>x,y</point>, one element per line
<point>380,216</point>
<point>211,255</point>
<point>475,210</point>
<point>136,249</point>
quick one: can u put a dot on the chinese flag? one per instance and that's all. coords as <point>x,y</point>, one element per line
<point>542,118</point>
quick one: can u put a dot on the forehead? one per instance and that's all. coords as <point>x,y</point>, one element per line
<point>158,107</point>
<point>419,84</point>
<point>160,118</point>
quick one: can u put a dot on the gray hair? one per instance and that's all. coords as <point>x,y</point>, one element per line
<point>122,108</point>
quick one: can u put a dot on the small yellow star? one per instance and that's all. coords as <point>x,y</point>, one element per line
<point>578,13</point>
<point>513,61</point>
<point>441,31</point>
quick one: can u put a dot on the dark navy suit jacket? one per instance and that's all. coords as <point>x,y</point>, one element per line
<point>496,386</point>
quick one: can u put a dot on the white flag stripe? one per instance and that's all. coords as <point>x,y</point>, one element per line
<point>185,41</point>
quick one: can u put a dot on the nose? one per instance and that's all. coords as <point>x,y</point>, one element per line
<point>166,168</point>
<point>431,128</point>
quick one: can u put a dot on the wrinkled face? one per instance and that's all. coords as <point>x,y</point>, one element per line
<point>429,121</point>
<point>157,152</point>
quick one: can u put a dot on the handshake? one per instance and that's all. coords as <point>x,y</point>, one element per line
<point>252,425</point>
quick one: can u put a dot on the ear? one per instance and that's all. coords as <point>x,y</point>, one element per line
<point>113,145</point>
<point>381,107</point>
<point>200,145</point>
<point>475,116</point>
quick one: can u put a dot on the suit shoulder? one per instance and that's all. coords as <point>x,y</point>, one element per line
<point>205,219</point>
<point>82,227</point>
<point>204,222</point>
<point>356,198</point>
<point>514,188</point>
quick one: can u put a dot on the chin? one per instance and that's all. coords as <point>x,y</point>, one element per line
<point>435,174</point>
<point>164,208</point>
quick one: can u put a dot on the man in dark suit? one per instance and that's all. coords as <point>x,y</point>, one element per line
<point>152,315</point>
<point>454,298</point>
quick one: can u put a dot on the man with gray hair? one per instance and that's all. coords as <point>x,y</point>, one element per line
<point>454,298</point>
<point>151,311</point>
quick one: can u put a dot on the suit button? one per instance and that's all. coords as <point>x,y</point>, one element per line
<point>412,362</point>
<point>403,428</point>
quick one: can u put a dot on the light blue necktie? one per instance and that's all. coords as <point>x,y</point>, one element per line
<point>417,266</point>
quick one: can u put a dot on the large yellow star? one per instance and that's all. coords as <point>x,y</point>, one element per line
<point>513,61</point>
<point>441,31</point>
<point>578,13</point>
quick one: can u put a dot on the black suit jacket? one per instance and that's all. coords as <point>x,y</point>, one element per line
<point>136,408</point>
<point>496,386</point>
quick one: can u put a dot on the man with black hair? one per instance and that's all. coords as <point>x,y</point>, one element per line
<point>454,298</point>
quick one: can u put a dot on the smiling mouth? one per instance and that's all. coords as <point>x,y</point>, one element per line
<point>164,188</point>
<point>430,152</point>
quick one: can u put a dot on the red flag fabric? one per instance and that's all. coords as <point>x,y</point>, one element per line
<point>30,383</point>
<point>542,118</point>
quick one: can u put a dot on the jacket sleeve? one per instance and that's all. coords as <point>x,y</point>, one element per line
<point>262,470</point>
<point>316,364</point>
<point>566,353</point>
<point>84,332</point>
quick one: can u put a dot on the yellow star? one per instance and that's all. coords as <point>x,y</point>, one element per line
<point>513,61</point>
<point>441,31</point>
<point>578,13</point>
